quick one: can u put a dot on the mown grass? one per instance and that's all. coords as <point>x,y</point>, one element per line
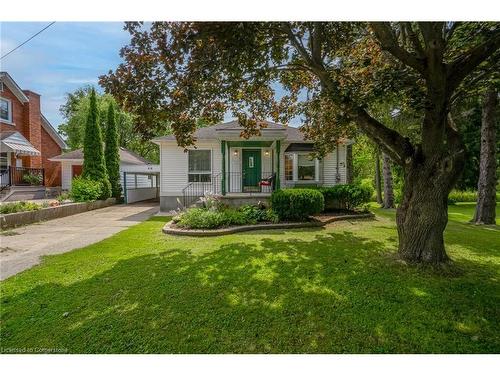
<point>334,290</point>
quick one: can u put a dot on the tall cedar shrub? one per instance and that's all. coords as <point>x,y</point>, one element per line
<point>111,153</point>
<point>94,165</point>
<point>297,204</point>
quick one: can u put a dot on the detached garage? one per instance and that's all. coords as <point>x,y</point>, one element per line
<point>139,177</point>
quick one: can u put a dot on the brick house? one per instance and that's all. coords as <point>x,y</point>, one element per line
<point>27,142</point>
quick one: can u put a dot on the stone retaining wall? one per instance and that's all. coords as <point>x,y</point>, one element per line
<point>23,218</point>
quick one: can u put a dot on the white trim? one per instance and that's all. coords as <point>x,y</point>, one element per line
<point>9,112</point>
<point>53,133</point>
<point>12,85</point>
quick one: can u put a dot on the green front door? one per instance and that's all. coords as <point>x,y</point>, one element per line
<point>251,170</point>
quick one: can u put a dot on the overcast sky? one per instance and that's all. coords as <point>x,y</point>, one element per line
<point>64,57</point>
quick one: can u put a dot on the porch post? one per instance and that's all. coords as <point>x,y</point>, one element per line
<point>223,150</point>
<point>278,145</point>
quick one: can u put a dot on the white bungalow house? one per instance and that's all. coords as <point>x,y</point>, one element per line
<point>224,163</point>
<point>138,176</point>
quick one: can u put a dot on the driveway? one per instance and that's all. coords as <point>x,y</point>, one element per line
<point>21,248</point>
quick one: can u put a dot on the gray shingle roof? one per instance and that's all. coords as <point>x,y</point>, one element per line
<point>126,156</point>
<point>211,132</point>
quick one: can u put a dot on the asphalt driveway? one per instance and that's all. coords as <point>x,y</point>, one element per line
<point>21,248</point>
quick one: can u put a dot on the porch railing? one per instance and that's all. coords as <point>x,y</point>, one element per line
<point>26,176</point>
<point>194,190</point>
<point>250,182</point>
<point>4,179</point>
<point>234,182</point>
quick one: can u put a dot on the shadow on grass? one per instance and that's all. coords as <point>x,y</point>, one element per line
<point>334,294</point>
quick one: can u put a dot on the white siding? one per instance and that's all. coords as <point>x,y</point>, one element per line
<point>138,180</point>
<point>66,175</point>
<point>235,169</point>
<point>143,180</point>
<point>330,167</point>
<point>174,165</point>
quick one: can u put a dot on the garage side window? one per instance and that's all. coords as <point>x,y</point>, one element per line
<point>200,165</point>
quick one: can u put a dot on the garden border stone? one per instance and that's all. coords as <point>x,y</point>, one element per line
<point>8,221</point>
<point>315,222</point>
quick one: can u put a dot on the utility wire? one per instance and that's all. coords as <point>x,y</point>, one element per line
<point>27,40</point>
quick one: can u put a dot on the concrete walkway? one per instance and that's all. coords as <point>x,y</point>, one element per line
<point>21,248</point>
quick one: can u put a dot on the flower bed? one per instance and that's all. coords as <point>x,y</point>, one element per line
<point>42,213</point>
<point>216,219</point>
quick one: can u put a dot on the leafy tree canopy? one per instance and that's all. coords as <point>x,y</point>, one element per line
<point>75,112</point>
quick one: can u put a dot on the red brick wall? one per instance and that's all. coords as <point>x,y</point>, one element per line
<point>33,119</point>
<point>17,113</point>
<point>52,169</point>
<point>28,121</point>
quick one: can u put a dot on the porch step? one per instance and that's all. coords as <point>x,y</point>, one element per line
<point>19,193</point>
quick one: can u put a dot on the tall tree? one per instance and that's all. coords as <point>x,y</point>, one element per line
<point>112,153</point>
<point>378,179</point>
<point>486,188</point>
<point>74,112</point>
<point>94,165</point>
<point>333,73</point>
<point>388,191</point>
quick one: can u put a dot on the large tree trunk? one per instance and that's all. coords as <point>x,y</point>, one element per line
<point>388,191</point>
<point>423,213</point>
<point>486,188</point>
<point>378,181</point>
<point>349,166</point>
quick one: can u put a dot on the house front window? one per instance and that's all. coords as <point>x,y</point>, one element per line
<point>5,110</point>
<point>301,167</point>
<point>289,167</point>
<point>199,166</point>
<point>306,168</point>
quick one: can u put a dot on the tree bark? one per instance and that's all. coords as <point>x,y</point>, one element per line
<point>378,181</point>
<point>423,213</point>
<point>388,191</point>
<point>349,166</point>
<point>486,187</point>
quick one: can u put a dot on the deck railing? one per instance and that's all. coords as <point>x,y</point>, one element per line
<point>5,179</point>
<point>26,176</point>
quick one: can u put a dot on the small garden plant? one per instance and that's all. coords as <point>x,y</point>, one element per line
<point>11,208</point>
<point>85,189</point>
<point>214,214</point>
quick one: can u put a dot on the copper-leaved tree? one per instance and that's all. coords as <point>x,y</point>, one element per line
<point>331,74</point>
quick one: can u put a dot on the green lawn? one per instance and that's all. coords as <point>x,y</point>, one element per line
<point>333,290</point>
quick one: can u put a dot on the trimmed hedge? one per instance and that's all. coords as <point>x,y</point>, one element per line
<point>297,204</point>
<point>346,196</point>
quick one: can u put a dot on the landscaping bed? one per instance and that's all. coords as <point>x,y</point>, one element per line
<point>314,221</point>
<point>294,208</point>
<point>33,214</point>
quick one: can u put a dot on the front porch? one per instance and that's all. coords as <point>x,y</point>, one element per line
<point>250,168</point>
<point>18,183</point>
